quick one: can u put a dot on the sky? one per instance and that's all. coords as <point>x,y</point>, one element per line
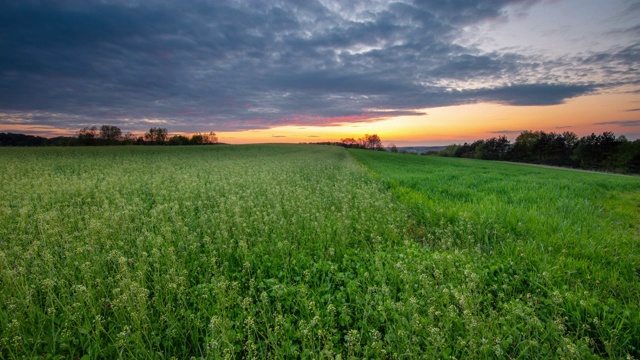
<point>415,72</point>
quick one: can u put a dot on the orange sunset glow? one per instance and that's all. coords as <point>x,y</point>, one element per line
<point>462,123</point>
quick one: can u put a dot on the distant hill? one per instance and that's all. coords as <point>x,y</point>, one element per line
<point>10,139</point>
<point>421,149</point>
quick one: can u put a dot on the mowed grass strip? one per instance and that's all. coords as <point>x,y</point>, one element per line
<point>552,255</point>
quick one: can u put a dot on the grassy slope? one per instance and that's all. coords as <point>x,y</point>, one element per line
<point>568,240</point>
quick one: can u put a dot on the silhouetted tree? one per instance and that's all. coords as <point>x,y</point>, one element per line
<point>469,151</point>
<point>633,157</point>
<point>129,139</point>
<point>179,140</point>
<point>88,135</point>
<point>570,139</point>
<point>544,148</point>
<point>493,149</point>
<point>449,151</point>
<point>63,141</point>
<point>10,139</point>
<point>203,138</point>
<point>599,151</point>
<point>372,142</point>
<point>478,149</point>
<point>110,134</point>
<point>349,142</point>
<point>196,139</point>
<point>156,135</point>
<point>523,147</point>
<point>210,138</point>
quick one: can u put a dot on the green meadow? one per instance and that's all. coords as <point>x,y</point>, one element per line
<point>307,251</point>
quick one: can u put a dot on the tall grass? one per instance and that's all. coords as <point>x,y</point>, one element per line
<point>213,252</point>
<point>277,251</point>
<point>556,251</point>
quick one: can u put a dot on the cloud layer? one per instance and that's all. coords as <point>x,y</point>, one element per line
<point>625,123</point>
<point>241,64</point>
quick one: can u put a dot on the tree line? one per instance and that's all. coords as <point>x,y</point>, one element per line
<point>369,142</point>
<point>604,152</point>
<point>109,135</point>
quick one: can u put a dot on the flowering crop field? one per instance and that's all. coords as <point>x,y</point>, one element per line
<point>286,251</point>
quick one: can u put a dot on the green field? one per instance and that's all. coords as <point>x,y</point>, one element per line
<point>284,251</point>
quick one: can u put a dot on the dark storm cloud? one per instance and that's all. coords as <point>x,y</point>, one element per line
<point>531,94</point>
<point>233,65</point>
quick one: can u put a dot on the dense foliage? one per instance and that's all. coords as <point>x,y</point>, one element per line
<point>11,139</point>
<point>594,152</point>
